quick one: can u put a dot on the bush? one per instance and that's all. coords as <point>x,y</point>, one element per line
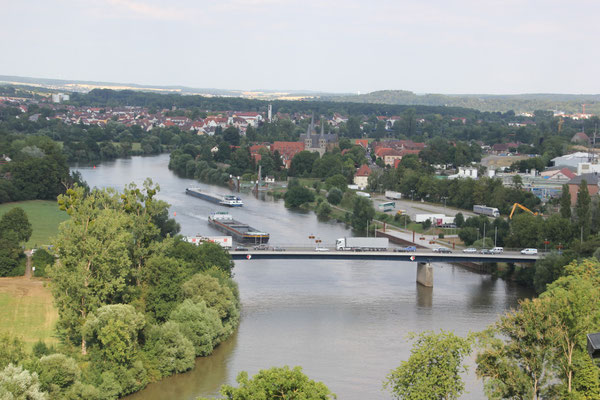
<point>200,324</point>
<point>222,298</point>
<point>324,210</point>
<point>298,195</point>
<point>335,196</point>
<point>169,350</point>
<point>441,236</point>
<point>41,260</point>
<point>277,383</point>
<point>17,383</point>
<point>58,372</point>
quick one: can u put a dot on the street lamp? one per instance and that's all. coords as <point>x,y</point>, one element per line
<point>445,198</point>
<point>412,197</point>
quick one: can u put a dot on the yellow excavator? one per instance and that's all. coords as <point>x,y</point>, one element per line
<point>522,207</point>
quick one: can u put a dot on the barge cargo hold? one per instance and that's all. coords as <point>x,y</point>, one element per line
<point>228,200</point>
<point>241,232</point>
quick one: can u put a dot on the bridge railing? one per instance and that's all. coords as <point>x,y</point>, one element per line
<point>326,247</point>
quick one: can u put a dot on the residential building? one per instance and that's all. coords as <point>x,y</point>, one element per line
<point>592,184</point>
<point>361,178</point>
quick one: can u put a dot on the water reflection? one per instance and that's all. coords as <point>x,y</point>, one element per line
<point>424,296</point>
<point>344,322</point>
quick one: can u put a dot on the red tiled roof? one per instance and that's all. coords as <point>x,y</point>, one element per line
<point>364,170</point>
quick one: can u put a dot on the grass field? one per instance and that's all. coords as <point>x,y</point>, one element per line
<point>44,217</point>
<point>26,310</point>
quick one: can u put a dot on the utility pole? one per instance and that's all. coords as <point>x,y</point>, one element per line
<point>367,227</point>
<point>495,236</point>
<point>484,235</point>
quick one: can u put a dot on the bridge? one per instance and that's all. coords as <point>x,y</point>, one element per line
<point>423,257</point>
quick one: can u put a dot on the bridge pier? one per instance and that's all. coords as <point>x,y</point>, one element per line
<point>425,274</point>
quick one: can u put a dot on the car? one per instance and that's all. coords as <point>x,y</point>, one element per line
<point>485,251</point>
<point>530,252</point>
<point>261,247</point>
<point>470,250</point>
<point>497,250</point>
<point>241,248</point>
<point>407,249</point>
<point>442,250</point>
<point>278,248</point>
<point>321,249</point>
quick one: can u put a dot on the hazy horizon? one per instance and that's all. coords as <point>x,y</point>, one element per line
<point>467,47</point>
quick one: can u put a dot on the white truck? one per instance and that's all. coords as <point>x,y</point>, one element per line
<point>436,219</point>
<point>363,194</point>
<point>224,241</point>
<point>390,194</point>
<point>362,244</point>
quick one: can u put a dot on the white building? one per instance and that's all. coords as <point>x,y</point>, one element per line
<point>465,172</point>
<point>572,160</point>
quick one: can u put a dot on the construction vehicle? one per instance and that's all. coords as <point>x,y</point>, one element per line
<point>522,207</point>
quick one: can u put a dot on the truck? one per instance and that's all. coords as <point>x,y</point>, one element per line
<point>436,219</point>
<point>223,241</point>
<point>362,244</point>
<point>390,194</point>
<point>485,210</point>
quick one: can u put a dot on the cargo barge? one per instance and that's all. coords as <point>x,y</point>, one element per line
<point>228,200</point>
<point>240,232</point>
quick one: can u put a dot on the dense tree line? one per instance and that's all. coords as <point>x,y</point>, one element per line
<point>15,230</point>
<point>135,302</point>
<point>38,169</point>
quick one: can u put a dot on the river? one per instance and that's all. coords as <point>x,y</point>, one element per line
<point>344,322</point>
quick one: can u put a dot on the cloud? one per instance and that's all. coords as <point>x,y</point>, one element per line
<point>142,9</point>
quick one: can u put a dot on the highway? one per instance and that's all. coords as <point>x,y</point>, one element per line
<point>423,256</point>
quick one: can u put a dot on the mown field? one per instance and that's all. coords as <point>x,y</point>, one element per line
<point>26,310</point>
<point>44,217</point>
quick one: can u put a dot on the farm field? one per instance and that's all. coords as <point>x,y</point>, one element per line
<point>26,310</point>
<point>44,217</point>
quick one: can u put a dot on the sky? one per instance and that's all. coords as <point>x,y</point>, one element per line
<point>346,46</point>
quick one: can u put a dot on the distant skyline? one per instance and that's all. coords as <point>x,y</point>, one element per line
<point>350,46</point>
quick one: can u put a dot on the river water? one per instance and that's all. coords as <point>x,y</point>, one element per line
<point>344,322</point>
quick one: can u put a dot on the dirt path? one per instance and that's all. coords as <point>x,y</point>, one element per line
<point>28,270</point>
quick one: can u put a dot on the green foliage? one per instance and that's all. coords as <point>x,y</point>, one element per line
<point>336,181</point>
<point>582,209</point>
<point>468,235</point>
<point>112,333</point>
<point>295,196</point>
<point>19,384</point>
<point>334,196</point>
<point>277,383</point>
<point>218,294</point>
<point>198,323</point>
<point>565,202</point>
<point>11,351</point>
<point>459,220</point>
<point>302,163</point>
<point>324,210</point>
<point>42,260</point>
<point>57,372</point>
<point>362,213</point>
<point>169,350</point>
<point>10,253</point>
<point>16,220</point>
<point>433,369</point>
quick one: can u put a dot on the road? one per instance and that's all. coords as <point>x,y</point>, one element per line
<point>417,207</point>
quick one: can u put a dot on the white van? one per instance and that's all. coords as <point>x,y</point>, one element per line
<point>497,250</point>
<point>529,251</point>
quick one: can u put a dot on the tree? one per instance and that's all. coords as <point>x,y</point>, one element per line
<point>582,209</point>
<point>297,195</point>
<point>468,235</point>
<point>574,308</point>
<point>276,383</point>
<point>339,181</point>
<point>16,220</point>
<point>517,181</point>
<point>58,372</point>
<point>302,163</point>
<point>170,349</point>
<point>95,266</point>
<point>516,367</point>
<point>433,368</point>
<point>232,136</point>
<point>362,213</point>
<point>459,219</point>
<point>19,384</point>
<point>565,202</point>
<point>200,324</point>
<point>334,196</point>
<point>219,293</point>
<point>113,330</point>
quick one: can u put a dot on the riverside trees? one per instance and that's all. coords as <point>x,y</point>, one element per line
<point>139,303</point>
